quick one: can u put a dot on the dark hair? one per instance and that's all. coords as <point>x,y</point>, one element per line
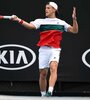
<point>57,14</point>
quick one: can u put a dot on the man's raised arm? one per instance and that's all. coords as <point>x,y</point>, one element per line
<point>74,27</point>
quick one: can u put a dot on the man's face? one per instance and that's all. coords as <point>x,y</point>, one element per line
<point>49,10</point>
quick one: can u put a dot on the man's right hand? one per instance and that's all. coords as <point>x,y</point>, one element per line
<point>15,18</point>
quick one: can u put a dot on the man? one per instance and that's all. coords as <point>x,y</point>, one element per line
<point>51,29</point>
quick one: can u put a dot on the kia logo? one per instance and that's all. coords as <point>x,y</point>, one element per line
<point>84,58</point>
<point>16,57</point>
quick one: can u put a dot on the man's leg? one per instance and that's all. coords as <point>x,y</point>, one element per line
<point>43,81</point>
<point>53,76</point>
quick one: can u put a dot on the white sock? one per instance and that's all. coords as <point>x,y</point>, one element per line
<point>50,89</point>
<point>43,93</point>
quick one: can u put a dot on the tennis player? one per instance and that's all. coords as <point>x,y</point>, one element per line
<point>51,29</point>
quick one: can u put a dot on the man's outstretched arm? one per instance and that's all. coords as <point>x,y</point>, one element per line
<point>22,22</point>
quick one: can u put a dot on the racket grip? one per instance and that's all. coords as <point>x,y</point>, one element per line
<point>7,17</point>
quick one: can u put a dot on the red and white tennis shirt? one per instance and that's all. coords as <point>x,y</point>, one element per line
<point>51,30</point>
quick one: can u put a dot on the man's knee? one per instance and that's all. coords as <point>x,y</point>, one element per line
<point>53,66</point>
<point>43,73</point>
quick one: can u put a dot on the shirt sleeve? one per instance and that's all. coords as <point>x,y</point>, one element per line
<point>66,26</point>
<point>36,23</point>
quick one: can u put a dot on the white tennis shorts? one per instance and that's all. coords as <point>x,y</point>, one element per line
<point>48,54</point>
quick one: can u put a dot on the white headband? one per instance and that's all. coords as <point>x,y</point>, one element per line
<point>54,5</point>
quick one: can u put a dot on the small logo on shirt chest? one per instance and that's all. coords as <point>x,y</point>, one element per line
<point>57,22</point>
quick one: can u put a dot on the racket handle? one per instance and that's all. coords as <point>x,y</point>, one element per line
<point>5,17</point>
